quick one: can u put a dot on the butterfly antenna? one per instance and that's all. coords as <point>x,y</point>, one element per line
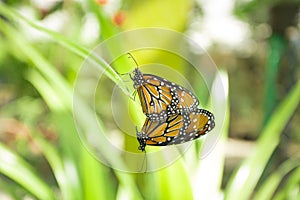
<point>130,56</point>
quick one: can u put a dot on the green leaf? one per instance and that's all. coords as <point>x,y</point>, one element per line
<point>173,182</point>
<point>58,166</point>
<point>268,188</point>
<point>20,42</point>
<point>290,189</point>
<point>14,167</point>
<point>95,177</point>
<point>243,182</point>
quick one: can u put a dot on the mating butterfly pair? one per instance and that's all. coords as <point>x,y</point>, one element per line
<point>171,110</point>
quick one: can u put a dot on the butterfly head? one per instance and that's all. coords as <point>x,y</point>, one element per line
<point>141,137</point>
<point>137,77</point>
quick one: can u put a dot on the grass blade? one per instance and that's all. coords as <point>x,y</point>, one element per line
<point>246,177</point>
<point>292,183</point>
<point>22,173</point>
<point>268,189</point>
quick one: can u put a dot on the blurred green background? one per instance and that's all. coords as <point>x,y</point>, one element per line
<point>256,46</point>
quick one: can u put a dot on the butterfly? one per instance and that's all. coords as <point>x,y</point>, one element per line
<point>161,98</point>
<point>176,129</point>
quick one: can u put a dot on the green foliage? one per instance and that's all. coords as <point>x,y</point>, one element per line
<point>79,175</point>
<point>17,169</point>
<point>246,177</point>
<point>277,47</point>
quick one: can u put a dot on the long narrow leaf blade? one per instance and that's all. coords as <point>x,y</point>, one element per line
<point>17,169</point>
<point>244,181</point>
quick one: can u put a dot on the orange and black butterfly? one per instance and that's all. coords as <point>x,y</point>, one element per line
<point>176,129</point>
<point>161,98</point>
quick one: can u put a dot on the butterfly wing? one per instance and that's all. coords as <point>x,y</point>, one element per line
<point>176,129</point>
<point>187,100</point>
<point>160,133</point>
<point>199,121</point>
<point>161,98</point>
<point>155,99</point>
